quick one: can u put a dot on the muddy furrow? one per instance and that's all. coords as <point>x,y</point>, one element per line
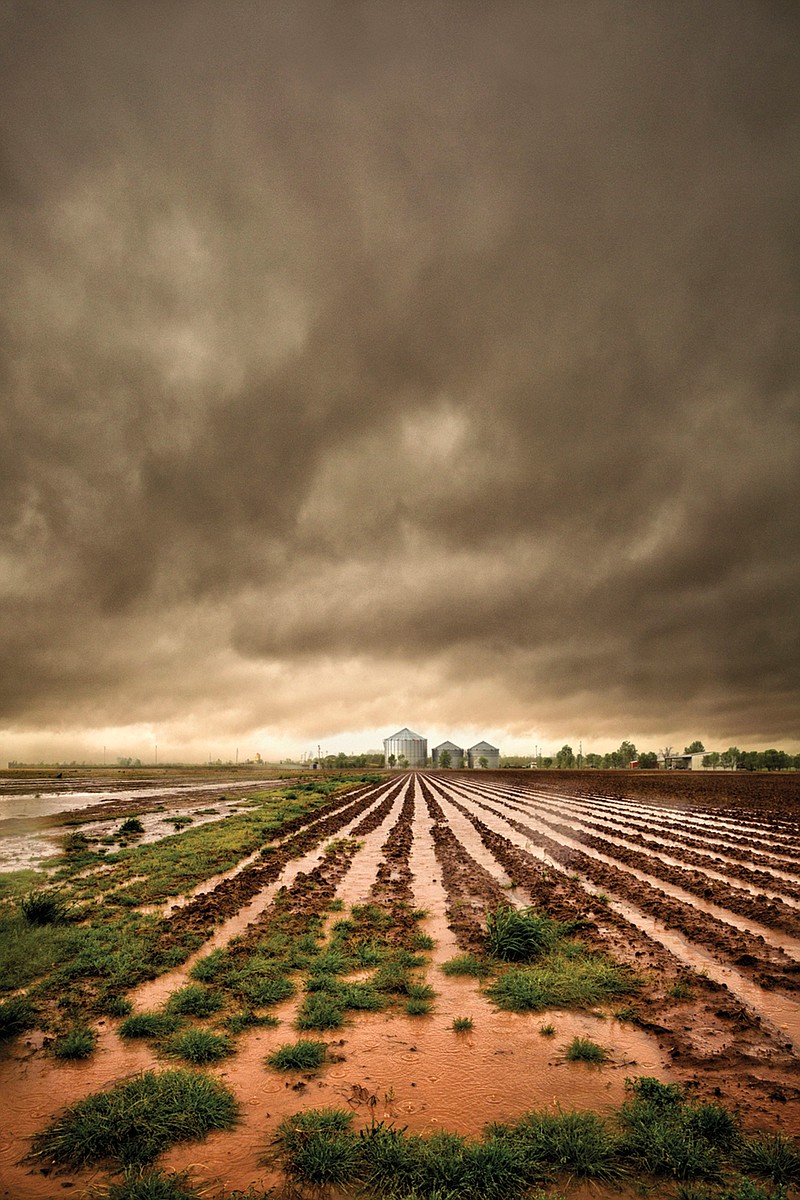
<point>724,903</point>
<point>673,822</point>
<point>767,965</point>
<point>738,864</point>
<point>761,908</point>
<point>233,893</point>
<point>393,886</point>
<point>470,888</point>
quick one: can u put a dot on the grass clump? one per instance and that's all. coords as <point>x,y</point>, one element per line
<point>303,1055</point>
<point>466,964</point>
<point>320,1011</point>
<point>548,1030</point>
<point>416,1007</point>
<point>149,1025</point>
<point>135,1121</point>
<point>319,1146</point>
<point>667,1136</point>
<point>199,1046</point>
<point>579,1143</point>
<point>194,1000</point>
<point>562,979</point>
<point>117,1006</point>
<point>42,907</point>
<point>153,1185</point>
<point>79,1042</point>
<point>247,1019</point>
<point>462,1024</point>
<point>520,934</point>
<point>772,1156</point>
<point>583,1049</point>
<point>16,1015</point>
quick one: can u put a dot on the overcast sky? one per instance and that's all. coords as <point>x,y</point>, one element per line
<point>384,363</point>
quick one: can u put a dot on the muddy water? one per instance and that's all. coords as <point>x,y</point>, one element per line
<point>35,805</point>
<point>423,1075</point>
<point>33,1089</point>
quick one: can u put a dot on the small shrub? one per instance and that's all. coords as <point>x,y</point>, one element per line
<point>462,1024</point>
<point>77,1043</point>
<point>547,1030</point>
<point>193,1000</point>
<point>303,1055</point>
<point>137,1120</point>
<point>16,1015</point>
<point>198,1046</point>
<point>583,1049</point>
<point>130,827</point>
<point>418,1008</point>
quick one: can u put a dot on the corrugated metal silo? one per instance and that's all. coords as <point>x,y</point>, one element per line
<point>456,754</point>
<point>483,750</point>
<point>405,744</point>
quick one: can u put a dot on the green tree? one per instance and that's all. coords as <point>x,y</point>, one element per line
<point>445,760</point>
<point>392,760</point>
<point>626,754</point>
<point>565,757</point>
<point>483,761</point>
<point>711,760</point>
<point>730,757</point>
<point>695,748</point>
<point>648,760</point>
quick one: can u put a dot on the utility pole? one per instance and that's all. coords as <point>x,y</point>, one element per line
<point>156,757</point>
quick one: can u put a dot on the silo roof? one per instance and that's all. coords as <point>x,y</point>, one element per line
<point>450,746</point>
<point>405,733</point>
<point>484,746</point>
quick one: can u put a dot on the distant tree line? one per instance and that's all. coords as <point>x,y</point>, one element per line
<point>732,759</point>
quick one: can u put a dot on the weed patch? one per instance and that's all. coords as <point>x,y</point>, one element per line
<point>194,1000</point>
<point>16,1015</point>
<point>199,1046</point>
<point>466,964</point>
<point>561,980</point>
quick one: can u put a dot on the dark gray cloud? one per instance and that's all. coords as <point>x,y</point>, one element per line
<point>387,356</point>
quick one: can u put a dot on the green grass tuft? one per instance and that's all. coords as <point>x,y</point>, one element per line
<point>561,980</point>
<point>462,1024</point>
<point>16,1015</point>
<point>45,908</point>
<point>199,1046</point>
<point>79,1042</point>
<point>466,964</point>
<point>418,1007</point>
<point>319,1146</point>
<point>135,1121</point>
<point>153,1185</point>
<point>149,1025</point>
<point>773,1156</point>
<point>193,1000</point>
<point>583,1049</point>
<point>320,1011</point>
<point>303,1055</point>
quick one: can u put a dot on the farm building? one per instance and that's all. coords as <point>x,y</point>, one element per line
<point>483,750</point>
<point>684,762</point>
<point>408,748</point>
<point>456,754</point>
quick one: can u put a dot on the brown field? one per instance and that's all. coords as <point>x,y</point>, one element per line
<point>691,880</point>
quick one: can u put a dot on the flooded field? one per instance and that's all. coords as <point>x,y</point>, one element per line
<point>380,921</point>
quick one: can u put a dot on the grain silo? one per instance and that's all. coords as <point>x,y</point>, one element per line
<point>456,754</point>
<point>408,748</point>
<point>483,750</point>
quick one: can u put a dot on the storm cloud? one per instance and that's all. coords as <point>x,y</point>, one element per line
<point>376,363</point>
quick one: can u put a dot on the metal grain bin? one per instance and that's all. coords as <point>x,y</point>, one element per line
<point>456,754</point>
<point>483,750</point>
<point>405,744</point>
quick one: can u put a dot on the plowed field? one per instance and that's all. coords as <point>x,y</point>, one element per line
<point>690,883</point>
